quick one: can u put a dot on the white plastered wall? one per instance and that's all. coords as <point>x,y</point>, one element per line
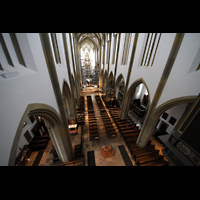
<point>31,87</point>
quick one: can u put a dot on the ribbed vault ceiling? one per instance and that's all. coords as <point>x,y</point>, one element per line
<point>92,40</point>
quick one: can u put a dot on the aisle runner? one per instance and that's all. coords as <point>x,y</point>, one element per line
<point>125,156</point>
<point>90,158</point>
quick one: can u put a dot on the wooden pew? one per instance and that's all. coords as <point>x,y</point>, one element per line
<point>92,127</point>
<point>106,119</point>
<point>94,137</point>
<point>144,152</point>
<point>108,126</point>
<point>134,148</point>
<point>104,113</point>
<point>131,126</point>
<point>37,146</point>
<point>129,131</point>
<point>111,134</point>
<point>148,158</point>
<point>92,124</point>
<point>131,135</point>
<point>110,129</point>
<point>94,131</point>
<point>107,122</point>
<point>131,139</point>
<point>159,162</point>
<point>123,121</point>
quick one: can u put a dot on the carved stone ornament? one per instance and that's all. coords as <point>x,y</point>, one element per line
<point>186,151</point>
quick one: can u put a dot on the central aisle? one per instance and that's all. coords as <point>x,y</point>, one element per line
<point>96,145</point>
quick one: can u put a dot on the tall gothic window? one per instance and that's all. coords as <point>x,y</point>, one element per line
<point>150,49</point>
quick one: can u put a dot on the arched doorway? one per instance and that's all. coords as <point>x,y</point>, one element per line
<point>60,137</point>
<point>147,130</point>
<point>137,98</point>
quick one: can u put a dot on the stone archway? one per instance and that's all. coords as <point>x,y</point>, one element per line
<point>147,131</point>
<point>74,88</point>
<point>101,79</point>
<point>68,100</point>
<point>127,100</point>
<point>105,79</point>
<point>111,76</point>
<point>117,83</point>
<point>60,137</point>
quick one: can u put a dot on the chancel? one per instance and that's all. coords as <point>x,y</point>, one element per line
<point>99,99</point>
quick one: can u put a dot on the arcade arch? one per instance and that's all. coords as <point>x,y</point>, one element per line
<point>147,129</point>
<point>57,132</point>
<point>68,100</point>
<point>132,93</point>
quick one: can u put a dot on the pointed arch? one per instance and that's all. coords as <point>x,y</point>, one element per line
<point>105,79</point>
<point>57,132</point>
<point>135,84</point>
<point>127,100</point>
<point>118,81</point>
<point>171,103</point>
<point>68,100</point>
<point>111,76</point>
<point>101,78</point>
<point>149,128</point>
<point>74,87</point>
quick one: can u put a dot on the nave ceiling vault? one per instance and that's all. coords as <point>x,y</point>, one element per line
<point>91,39</point>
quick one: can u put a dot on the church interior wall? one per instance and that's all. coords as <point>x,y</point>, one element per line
<point>180,82</point>
<point>112,66</point>
<point>61,68</point>
<point>23,90</point>
<point>33,84</point>
<point>176,112</point>
<point>105,59</point>
<point>122,68</point>
<point>151,75</point>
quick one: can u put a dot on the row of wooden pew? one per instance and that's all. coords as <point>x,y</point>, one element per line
<point>145,156</point>
<point>93,130</point>
<point>41,137</point>
<point>110,130</point>
<point>99,102</point>
<point>110,103</point>
<point>81,111</point>
<point>89,103</point>
<point>79,159</point>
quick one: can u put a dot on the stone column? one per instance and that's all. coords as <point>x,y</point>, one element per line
<point>119,37</point>
<point>147,127</point>
<point>75,76</point>
<point>109,46</point>
<point>66,139</point>
<point>124,110</point>
<point>103,64</point>
<point>69,73</point>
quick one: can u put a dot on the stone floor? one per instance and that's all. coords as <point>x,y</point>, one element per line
<point>95,145</point>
